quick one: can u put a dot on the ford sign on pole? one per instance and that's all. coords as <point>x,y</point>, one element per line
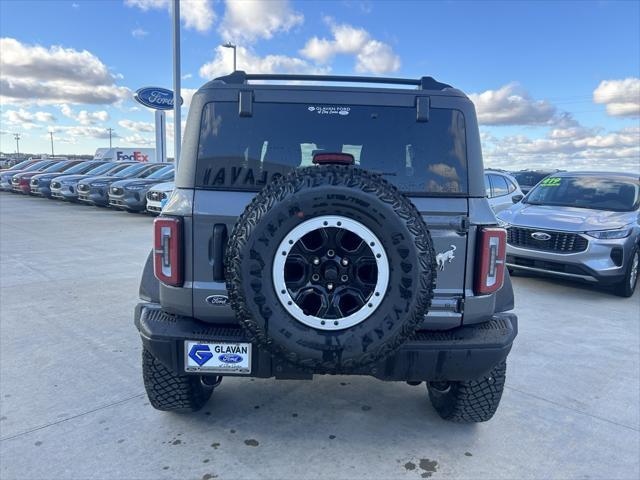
<point>155,97</point>
<point>159,99</point>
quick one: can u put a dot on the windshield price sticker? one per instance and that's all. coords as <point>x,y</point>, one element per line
<point>550,182</point>
<point>329,110</point>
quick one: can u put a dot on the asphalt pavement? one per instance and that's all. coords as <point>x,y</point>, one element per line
<point>72,403</point>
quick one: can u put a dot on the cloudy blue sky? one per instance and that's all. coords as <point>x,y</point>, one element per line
<point>555,84</point>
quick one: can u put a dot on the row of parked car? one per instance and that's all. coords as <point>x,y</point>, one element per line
<point>578,226</point>
<point>130,186</point>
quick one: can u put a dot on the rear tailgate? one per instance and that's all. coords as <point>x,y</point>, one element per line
<point>215,214</point>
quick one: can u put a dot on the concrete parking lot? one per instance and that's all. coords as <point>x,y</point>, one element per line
<point>72,403</point>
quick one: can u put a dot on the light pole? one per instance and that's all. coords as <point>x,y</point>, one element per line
<point>176,82</point>
<point>51,135</point>
<point>110,130</point>
<point>17,137</point>
<point>231,45</point>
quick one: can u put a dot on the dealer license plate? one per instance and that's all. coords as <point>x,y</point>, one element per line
<point>217,357</point>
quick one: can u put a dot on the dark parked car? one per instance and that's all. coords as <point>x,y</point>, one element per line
<point>95,190</point>
<point>65,187</point>
<point>131,194</point>
<point>18,165</point>
<point>41,183</point>
<point>527,179</point>
<point>328,230</point>
<point>37,167</point>
<point>22,182</point>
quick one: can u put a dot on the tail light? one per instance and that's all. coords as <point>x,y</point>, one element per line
<point>490,260</point>
<point>167,250</point>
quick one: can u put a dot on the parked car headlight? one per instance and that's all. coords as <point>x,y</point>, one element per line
<point>610,234</point>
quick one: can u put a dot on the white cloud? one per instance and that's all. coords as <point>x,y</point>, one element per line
<point>511,105</point>
<point>137,126</point>
<point>27,120</point>
<point>372,56</point>
<point>139,33</point>
<point>187,76</point>
<point>187,95</point>
<point>222,64</point>
<point>576,148</point>
<point>137,139</point>
<point>72,133</point>
<point>621,97</point>
<point>83,117</point>
<point>249,20</point>
<point>195,14</point>
<point>35,74</point>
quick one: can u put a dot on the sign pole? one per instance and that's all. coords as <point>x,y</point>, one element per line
<point>161,137</point>
<point>176,82</point>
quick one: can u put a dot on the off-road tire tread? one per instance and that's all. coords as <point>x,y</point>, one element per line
<point>472,401</point>
<point>170,392</point>
<point>317,177</point>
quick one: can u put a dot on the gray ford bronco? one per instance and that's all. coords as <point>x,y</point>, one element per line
<point>320,229</point>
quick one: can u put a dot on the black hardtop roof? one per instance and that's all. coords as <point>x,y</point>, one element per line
<point>240,78</point>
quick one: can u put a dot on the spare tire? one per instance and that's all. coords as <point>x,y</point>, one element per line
<point>330,268</point>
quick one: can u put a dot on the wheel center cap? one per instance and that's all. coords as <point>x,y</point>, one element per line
<point>331,272</point>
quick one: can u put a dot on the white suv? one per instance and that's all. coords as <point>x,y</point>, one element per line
<point>502,190</point>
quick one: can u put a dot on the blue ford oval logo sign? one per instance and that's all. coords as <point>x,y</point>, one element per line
<point>230,358</point>
<point>217,300</point>
<point>157,98</point>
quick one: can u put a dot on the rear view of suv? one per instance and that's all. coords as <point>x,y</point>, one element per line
<point>328,230</point>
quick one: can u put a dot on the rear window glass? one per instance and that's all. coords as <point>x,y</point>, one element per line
<point>245,153</point>
<point>529,178</point>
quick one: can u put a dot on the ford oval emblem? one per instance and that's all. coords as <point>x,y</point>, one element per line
<point>217,300</point>
<point>157,98</point>
<point>230,358</point>
<point>541,236</point>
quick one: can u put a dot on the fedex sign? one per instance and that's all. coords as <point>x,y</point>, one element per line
<point>135,156</point>
<point>124,154</point>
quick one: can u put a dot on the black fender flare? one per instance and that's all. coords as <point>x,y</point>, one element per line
<point>149,284</point>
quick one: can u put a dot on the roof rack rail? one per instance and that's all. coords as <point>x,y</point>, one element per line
<point>425,83</point>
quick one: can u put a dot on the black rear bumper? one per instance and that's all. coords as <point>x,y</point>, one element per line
<point>463,353</point>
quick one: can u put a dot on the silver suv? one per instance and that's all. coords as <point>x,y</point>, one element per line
<point>582,226</point>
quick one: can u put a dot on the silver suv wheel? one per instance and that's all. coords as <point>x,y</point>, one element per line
<point>331,272</point>
<point>633,276</point>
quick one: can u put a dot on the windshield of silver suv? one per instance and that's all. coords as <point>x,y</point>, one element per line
<point>104,168</point>
<point>160,172</point>
<point>618,195</point>
<point>130,170</point>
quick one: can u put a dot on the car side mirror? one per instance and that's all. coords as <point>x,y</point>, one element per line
<point>517,198</point>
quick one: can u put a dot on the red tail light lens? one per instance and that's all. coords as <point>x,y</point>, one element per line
<point>491,260</point>
<point>167,250</point>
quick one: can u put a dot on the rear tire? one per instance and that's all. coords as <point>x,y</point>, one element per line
<point>170,392</point>
<point>470,401</point>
